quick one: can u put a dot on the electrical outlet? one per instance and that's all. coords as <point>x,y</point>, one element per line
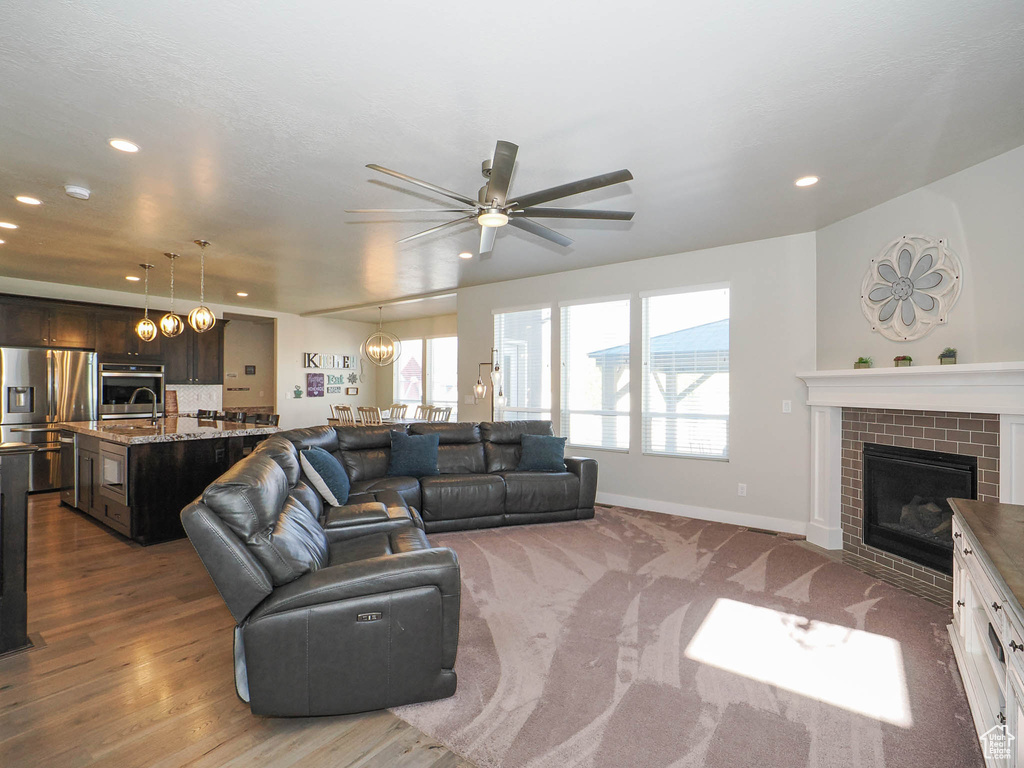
<point>741,489</point>
<point>787,406</point>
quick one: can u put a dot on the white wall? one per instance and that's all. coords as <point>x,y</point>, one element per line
<point>980,210</point>
<point>420,328</point>
<point>249,343</point>
<point>296,335</point>
<point>772,337</point>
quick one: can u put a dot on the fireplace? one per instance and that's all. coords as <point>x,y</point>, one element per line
<point>905,507</point>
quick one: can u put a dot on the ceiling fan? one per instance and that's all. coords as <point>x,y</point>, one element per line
<point>495,207</point>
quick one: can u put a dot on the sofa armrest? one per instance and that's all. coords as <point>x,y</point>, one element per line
<point>352,520</point>
<point>586,470</point>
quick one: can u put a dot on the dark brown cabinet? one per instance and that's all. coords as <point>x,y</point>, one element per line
<point>116,338</point>
<point>195,358</point>
<point>33,324</point>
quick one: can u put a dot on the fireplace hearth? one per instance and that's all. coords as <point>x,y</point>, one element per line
<point>905,507</point>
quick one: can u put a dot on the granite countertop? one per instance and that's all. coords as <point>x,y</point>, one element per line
<point>999,529</point>
<point>167,430</point>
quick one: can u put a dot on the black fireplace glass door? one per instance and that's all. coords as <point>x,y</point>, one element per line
<point>905,507</point>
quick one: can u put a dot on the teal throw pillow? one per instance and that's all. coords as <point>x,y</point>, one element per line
<point>413,455</point>
<point>542,453</point>
<point>326,475</point>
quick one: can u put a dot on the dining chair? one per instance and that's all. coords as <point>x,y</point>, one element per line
<point>370,415</point>
<point>344,415</point>
<point>423,412</point>
<point>332,422</point>
<point>440,414</point>
<point>397,411</point>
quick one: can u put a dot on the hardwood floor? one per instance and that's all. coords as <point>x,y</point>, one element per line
<point>132,667</point>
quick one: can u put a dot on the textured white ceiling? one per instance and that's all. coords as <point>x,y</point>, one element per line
<point>256,119</point>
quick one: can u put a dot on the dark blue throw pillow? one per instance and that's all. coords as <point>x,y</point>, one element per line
<point>542,453</point>
<point>326,474</point>
<point>413,455</point>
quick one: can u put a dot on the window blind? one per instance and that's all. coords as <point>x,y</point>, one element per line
<point>523,343</point>
<point>595,374</point>
<point>686,373</point>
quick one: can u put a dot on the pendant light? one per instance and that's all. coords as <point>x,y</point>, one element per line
<point>170,324</point>
<point>202,318</point>
<point>145,329</point>
<point>381,348</point>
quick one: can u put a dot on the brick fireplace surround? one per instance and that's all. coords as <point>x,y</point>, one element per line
<point>968,434</point>
<point>974,409</point>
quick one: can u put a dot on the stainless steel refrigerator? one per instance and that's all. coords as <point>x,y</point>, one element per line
<point>41,388</point>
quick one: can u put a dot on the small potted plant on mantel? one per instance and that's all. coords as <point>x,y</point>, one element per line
<point>948,356</point>
<point>903,361</point>
<point>863,362</point>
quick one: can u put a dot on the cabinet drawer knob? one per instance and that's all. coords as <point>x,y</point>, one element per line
<point>1014,646</point>
<point>960,603</point>
<point>967,551</point>
<point>996,606</point>
<point>956,535</point>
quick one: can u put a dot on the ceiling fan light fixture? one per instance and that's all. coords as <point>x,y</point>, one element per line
<point>492,217</point>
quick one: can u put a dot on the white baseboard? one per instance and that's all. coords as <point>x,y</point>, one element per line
<point>823,536</point>
<point>780,524</point>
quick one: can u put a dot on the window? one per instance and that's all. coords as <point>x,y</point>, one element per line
<point>595,374</point>
<point>442,385</point>
<point>523,341</point>
<point>409,373</point>
<point>686,373</point>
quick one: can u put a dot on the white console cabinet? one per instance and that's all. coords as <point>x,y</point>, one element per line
<point>987,631</point>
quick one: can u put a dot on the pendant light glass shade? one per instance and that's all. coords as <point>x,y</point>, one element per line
<point>380,347</point>
<point>145,329</point>
<point>170,324</point>
<point>202,318</point>
<point>479,389</point>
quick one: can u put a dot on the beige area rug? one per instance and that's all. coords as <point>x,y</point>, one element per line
<point>640,639</point>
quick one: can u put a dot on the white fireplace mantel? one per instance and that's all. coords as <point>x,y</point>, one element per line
<point>966,388</point>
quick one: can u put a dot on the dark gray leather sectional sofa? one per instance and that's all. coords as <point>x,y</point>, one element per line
<point>347,609</point>
<point>478,485</point>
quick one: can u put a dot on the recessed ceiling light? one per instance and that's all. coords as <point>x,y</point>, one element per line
<point>8,225</point>
<point>243,294</point>
<point>28,200</point>
<point>1,242</point>
<point>806,181</point>
<point>132,278</point>
<point>124,145</point>
<point>465,255</point>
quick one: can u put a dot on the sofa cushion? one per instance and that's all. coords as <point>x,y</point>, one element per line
<point>282,451</point>
<point>314,437</point>
<point>361,438</point>
<point>308,497</point>
<point>248,496</point>
<point>450,497</point>
<point>412,455</point>
<point>502,442</point>
<point>407,487</point>
<point>460,449</point>
<point>326,475</point>
<point>540,491</point>
<point>293,546</point>
<point>542,453</point>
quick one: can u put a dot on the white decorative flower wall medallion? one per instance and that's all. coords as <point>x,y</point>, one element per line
<point>910,287</point>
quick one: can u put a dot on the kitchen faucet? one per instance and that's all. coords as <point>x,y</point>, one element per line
<point>135,394</point>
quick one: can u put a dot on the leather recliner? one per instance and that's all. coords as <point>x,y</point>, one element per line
<point>358,615</point>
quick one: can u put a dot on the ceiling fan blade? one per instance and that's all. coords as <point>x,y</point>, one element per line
<point>438,228</point>
<point>573,188</point>
<point>424,184</point>
<point>540,230</point>
<point>487,239</point>
<point>501,171</point>
<point>574,213</point>
<point>411,210</point>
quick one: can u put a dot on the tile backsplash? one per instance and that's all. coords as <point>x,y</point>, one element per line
<point>192,397</point>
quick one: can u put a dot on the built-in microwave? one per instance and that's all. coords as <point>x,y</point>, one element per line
<point>119,381</point>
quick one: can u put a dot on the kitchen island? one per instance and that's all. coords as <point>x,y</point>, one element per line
<point>135,477</point>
